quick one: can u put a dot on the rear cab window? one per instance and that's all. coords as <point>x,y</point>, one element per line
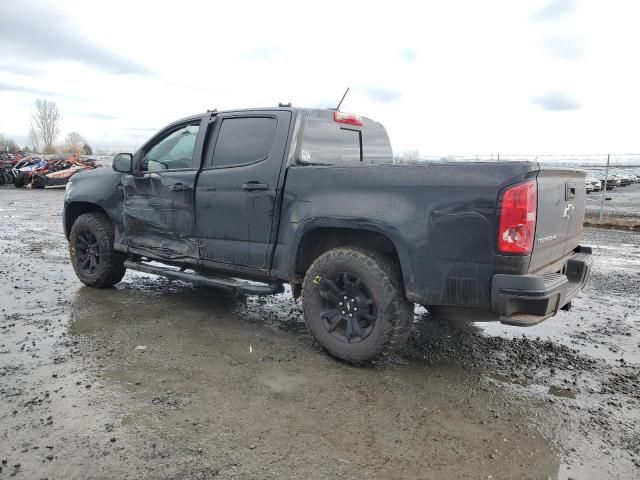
<point>243,140</point>
<point>327,142</point>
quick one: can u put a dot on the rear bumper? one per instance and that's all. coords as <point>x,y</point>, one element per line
<point>525,300</point>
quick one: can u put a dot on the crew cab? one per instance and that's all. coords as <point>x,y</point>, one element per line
<point>250,200</point>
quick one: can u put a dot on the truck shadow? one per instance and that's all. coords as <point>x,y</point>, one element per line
<point>433,341</point>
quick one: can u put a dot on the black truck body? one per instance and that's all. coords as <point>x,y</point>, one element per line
<point>262,194</point>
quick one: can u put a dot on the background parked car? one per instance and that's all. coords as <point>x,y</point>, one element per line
<point>593,184</point>
<point>611,181</point>
<point>625,180</point>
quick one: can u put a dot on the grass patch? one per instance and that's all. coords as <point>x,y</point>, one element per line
<point>619,223</point>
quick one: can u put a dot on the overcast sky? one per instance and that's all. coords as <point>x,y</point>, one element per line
<point>444,77</point>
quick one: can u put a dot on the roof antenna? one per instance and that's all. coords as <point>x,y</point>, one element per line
<point>342,99</point>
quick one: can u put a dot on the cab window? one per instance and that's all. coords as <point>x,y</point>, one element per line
<point>173,151</point>
<point>244,140</point>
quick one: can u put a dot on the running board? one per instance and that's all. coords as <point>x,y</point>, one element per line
<point>226,283</point>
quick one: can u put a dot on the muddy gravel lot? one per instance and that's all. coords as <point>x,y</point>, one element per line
<point>162,380</point>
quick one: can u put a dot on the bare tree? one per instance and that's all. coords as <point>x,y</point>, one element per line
<point>33,138</point>
<point>408,156</point>
<point>45,123</point>
<point>74,143</point>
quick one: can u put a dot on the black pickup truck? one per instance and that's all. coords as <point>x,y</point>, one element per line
<point>251,199</point>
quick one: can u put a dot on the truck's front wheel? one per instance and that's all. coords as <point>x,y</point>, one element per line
<point>354,305</point>
<point>91,247</point>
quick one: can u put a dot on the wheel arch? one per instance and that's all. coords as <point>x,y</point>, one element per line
<point>321,238</point>
<point>74,209</point>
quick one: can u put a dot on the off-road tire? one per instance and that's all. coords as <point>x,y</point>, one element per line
<point>110,269</point>
<point>382,278</point>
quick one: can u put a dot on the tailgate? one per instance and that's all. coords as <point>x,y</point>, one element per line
<point>561,205</point>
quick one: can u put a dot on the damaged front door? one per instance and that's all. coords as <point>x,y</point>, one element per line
<point>159,197</point>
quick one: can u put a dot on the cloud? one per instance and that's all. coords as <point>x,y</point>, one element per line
<point>142,129</point>
<point>327,103</point>
<point>565,47</point>
<point>99,116</point>
<point>11,87</point>
<point>409,55</point>
<point>556,101</point>
<point>263,54</point>
<point>37,31</point>
<point>140,136</point>
<point>555,9</point>
<point>138,133</point>
<point>18,67</point>
<point>8,87</point>
<point>382,94</point>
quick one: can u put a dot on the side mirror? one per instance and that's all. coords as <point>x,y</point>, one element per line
<point>123,162</point>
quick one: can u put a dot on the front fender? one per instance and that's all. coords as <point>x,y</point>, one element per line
<point>96,190</point>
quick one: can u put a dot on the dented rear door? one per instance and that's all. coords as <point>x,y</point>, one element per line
<point>238,187</point>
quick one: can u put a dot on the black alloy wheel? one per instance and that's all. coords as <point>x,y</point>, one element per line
<point>350,311</point>
<point>87,252</point>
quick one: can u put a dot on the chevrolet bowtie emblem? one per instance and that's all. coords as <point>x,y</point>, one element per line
<point>568,212</point>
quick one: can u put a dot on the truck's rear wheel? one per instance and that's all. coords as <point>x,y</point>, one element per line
<point>91,247</point>
<point>354,305</point>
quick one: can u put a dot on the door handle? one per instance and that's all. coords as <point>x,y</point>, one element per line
<point>179,187</point>
<point>146,176</point>
<point>251,186</point>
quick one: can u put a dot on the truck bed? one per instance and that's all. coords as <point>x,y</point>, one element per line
<point>442,218</point>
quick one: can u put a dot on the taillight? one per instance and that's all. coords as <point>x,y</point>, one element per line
<point>518,210</point>
<point>348,118</point>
